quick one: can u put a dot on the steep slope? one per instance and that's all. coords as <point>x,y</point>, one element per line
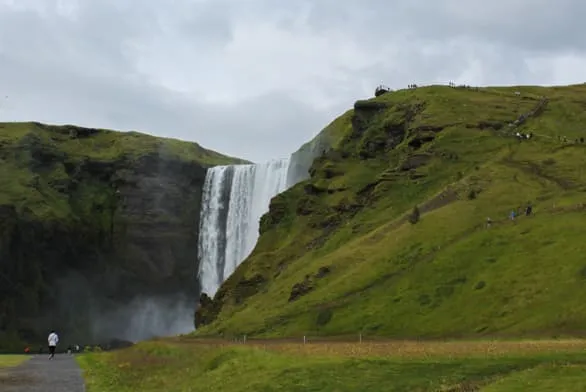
<point>338,254</point>
<point>89,219</point>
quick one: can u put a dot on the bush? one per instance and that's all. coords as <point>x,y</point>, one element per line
<point>414,216</point>
<point>324,317</point>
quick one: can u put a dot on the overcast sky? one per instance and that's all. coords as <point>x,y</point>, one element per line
<point>257,78</point>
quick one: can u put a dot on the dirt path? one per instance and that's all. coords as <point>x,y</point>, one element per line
<point>39,374</point>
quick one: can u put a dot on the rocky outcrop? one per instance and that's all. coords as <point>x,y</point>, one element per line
<point>300,289</point>
<point>321,145</point>
<point>205,311</point>
<point>89,223</point>
<point>307,285</point>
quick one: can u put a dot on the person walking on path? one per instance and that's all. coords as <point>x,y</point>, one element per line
<point>53,339</point>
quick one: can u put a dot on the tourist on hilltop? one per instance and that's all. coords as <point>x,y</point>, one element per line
<point>53,340</point>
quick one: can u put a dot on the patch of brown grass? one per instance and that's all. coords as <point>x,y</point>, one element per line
<point>406,348</point>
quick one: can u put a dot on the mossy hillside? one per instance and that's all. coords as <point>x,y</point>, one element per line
<point>451,152</point>
<point>104,144</point>
<point>35,155</point>
<point>73,204</point>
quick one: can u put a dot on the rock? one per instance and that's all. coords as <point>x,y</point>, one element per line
<point>371,106</point>
<point>490,124</point>
<point>300,289</point>
<point>414,161</point>
<point>420,139</point>
<point>277,211</point>
<point>331,173</point>
<point>206,311</point>
<point>428,128</point>
<point>311,189</point>
<point>247,288</point>
<point>305,206</point>
<point>204,300</point>
<point>322,272</point>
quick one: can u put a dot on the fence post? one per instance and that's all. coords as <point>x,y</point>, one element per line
<point>303,339</point>
<point>361,337</point>
<point>244,339</point>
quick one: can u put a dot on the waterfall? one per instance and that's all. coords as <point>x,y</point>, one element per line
<point>234,199</point>
<point>212,230</point>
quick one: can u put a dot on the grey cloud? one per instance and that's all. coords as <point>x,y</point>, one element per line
<point>248,129</point>
<point>182,68</point>
<point>525,24</point>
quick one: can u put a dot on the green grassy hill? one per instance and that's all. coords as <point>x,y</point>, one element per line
<point>90,218</point>
<point>337,254</point>
<point>34,155</point>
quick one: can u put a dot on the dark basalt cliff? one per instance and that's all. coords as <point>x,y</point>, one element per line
<point>92,221</point>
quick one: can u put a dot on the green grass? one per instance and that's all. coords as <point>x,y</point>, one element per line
<point>32,158</point>
<point>567,377</point>
<point>446,276</point>
<point>105,144</point>
<point>7,361</point>
<point>157,366</point>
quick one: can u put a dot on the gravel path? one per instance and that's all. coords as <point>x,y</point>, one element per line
<point>39,374</point>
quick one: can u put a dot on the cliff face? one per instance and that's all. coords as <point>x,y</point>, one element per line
<point>96,227</point>
<point>302,159</point>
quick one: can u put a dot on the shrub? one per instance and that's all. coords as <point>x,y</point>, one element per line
<point>324,317</point>
<point>414,216</point>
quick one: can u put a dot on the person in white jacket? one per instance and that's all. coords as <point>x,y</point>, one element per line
<point>53,340</point>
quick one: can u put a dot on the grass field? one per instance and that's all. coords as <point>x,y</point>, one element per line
<point>201,365</point>
<point>452,153</point>
<point>7,361</point>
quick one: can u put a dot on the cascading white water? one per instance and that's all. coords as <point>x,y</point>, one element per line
<point>234,199</point>
<point>211,236</point>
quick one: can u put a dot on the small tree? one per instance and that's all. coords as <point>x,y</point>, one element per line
<point>414,216</point>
